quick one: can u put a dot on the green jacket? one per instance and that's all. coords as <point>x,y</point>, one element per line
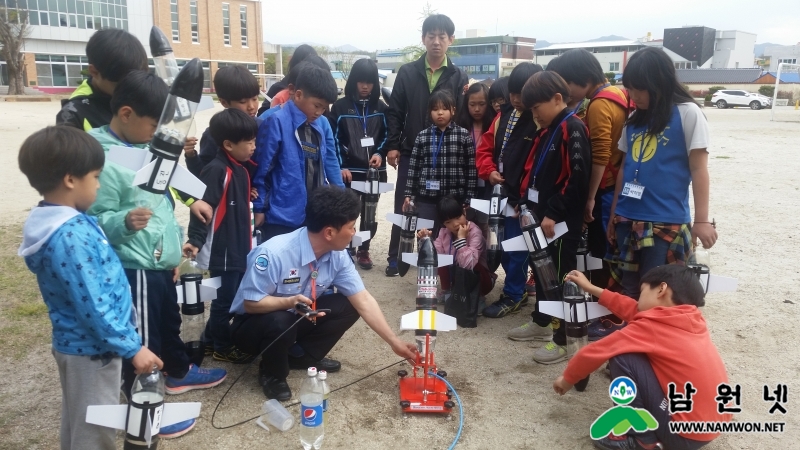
<point>116,197</point>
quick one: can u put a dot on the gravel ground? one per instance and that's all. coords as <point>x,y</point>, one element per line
<point>508,399</point>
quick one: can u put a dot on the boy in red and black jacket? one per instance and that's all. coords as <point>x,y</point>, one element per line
<point>223,245</point>
<point>500,157</point>
<point>555,188</point>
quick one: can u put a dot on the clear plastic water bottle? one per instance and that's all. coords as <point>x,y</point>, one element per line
<point>322,376</point>
<point>312,429</point>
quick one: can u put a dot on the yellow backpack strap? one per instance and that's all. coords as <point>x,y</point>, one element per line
<point>87,127</point>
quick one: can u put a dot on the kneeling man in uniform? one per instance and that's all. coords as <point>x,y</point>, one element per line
<point>294,268</point>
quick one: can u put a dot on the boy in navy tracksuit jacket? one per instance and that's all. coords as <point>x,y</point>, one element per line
<point>555,188</point>
<point>222,245</point>
<point>295,154</point>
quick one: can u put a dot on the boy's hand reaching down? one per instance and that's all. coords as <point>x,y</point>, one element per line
<point>561,386</point>
<point>705,232</point>
<point>580,279</point>
<point>423,233</point>
<point>189,250</point>
<point>144,361</point>
<point>202,211</point>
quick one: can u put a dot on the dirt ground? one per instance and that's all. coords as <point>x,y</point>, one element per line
<point>508,400</point>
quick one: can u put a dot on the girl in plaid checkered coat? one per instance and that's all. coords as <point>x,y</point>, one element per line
<point>442,161</point>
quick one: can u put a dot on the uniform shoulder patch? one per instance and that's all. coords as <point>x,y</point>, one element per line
<point>262,262</point>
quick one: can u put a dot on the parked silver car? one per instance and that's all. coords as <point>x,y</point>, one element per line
<point>729,98</point>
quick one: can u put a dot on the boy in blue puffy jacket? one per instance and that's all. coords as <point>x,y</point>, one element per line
<point>81,280</point>
<point>296,154</point>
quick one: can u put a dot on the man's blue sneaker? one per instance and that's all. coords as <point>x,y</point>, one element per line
<point>196,378</point>
<point>502,307</point>
<point>177,429</point>
<point>602,328</point>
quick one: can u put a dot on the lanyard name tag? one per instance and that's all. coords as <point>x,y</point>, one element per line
<point>309,147</point>
<point>533,195</point>
<point>432,185</point>
<point>367,141</point>
<point>500,167</point>
<point>633,190</point>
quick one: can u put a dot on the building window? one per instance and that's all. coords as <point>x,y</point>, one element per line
<point>787,60</point>
<point>173,13</point>
<point>226,24</point>
<point>193,17</point>
<point>60,70</point>
<point>83,14</point>
<point>243,20</point>
<point>613,67</point>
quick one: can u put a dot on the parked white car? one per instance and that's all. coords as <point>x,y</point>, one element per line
<point>729,98</point>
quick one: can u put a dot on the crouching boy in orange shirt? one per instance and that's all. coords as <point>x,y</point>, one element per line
<point>666,341</point>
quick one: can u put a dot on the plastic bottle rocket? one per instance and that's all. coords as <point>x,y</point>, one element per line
<point>163,57</point>
<point>425,321</point>
<point>312,427</point>
<point>540,259</point>
<point>322,377</point>
<point>372,189</point>
<point>497,209</point>
<point>586,262</point>
<point>192,310</point>
<point>145,414</point>
<point>409,222</point>
<point>700,263</point>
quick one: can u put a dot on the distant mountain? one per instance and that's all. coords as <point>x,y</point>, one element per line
<point>759,49</point>
<point>609,38</point>
<point>541,43</point>
<point>347,48</point>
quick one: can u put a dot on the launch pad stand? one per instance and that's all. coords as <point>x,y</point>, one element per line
<point>422,392</point>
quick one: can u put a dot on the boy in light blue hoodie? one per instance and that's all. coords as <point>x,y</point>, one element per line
<point>81,280</point>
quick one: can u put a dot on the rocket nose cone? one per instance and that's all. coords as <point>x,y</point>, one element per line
<point>372,174</point>
<point>427,254</point>
<point>497,190</point>
<point>159,44</point>
<point>189,82</point>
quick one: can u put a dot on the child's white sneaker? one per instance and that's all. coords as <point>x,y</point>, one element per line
<point>531,332</point>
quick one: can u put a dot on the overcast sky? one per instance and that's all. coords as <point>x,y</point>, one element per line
<point>373,25</point>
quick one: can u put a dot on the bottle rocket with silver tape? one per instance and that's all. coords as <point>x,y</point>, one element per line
<point>145,414</point>
<point>422,392</point>
<point>497,209</point>
<point>193,291</point>
<point>157,168</point>
<point>372,189</point>
<point>587,262</point>
<point>409,222</point>
<point>167,66</point>
<point>534,242</point>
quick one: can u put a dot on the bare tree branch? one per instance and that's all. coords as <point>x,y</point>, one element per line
<point>14,28</point>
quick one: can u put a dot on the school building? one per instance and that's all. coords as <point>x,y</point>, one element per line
<point>218,32</point>
<point>490,57</point>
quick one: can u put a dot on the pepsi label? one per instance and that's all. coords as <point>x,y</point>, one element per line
<point>311,416</point>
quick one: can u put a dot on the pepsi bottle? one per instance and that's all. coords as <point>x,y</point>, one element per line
<point>312,429</point>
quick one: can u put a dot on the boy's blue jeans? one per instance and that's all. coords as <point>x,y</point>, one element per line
<point>649,257</point>
<point>218,327</point>
<point>514,263</point>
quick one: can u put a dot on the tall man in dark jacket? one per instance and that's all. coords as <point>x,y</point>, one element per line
<point>408,106</point>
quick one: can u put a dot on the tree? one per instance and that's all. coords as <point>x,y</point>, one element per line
<point>14,28</point>
<point>611,77</point>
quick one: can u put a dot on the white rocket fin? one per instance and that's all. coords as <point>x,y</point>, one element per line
<point>215,282</point>
<point>359,238</point>
<point>718,283</point>
<point>207,293</point>
<point>410,259</point>
<point>184,181</point>
<point>129,157</point>
<point>560,229</point>
<point>444,260</point>
<point>592,263</point>
<point>596,310</point>
<point>178,412</point>
<point>385,187</point>
<point>480,205</point>
<point>109,416</point>
<point>396,219</point>
<point>516,244</point>
<point>206,102</point>
<point>360,186</point>
<point>424,224</point>
<point>555,309</point>
<point>427,320</point>
<point>143,175</point>
<point>507,209</point>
